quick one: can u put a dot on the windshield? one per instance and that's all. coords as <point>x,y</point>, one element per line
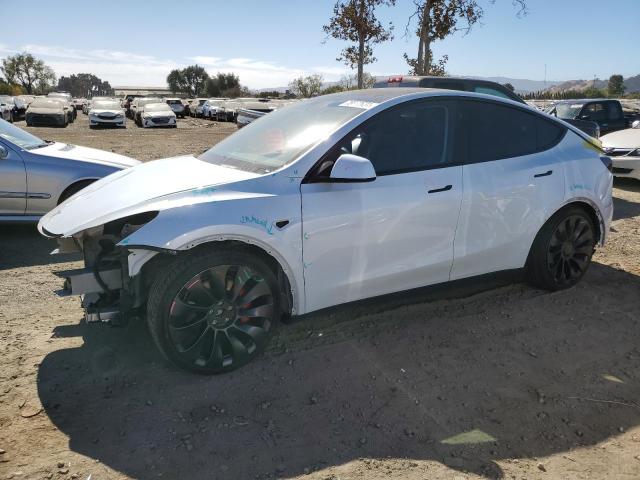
<point>19,137</point>
<point>157,107</point>
<point>145,101</point>
<point>174,102</point>
<point>279,138</point>
<point>46,103</point>
<point>568,110</point>
<point>105,104</point>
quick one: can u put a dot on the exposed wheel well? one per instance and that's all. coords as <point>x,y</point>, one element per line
<point>154,266</point>
<point>74,188</point>
<point>593,215</point>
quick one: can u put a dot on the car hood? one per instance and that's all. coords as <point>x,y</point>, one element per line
<point>139,189</point>
<point>85,154</point>
<point>164,113</point>
<point>629,138</point>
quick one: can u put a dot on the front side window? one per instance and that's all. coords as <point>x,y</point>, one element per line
<point>411,137</point>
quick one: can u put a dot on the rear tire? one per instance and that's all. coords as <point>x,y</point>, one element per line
<point>562,250</point>
<point>211,312</point>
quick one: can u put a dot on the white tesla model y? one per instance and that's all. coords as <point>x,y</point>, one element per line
<point>333,200</point>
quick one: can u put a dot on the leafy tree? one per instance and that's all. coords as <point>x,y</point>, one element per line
<point>436,20</point>
<point>355,21</point>
<point>7,88</point>
<point>26,70</point>
<point>223,85</point>
<point>84,85</point>
<point>306,87</point>
<point>510,87</point>
<point>593,92</point>
<point>190,80</point>
<point>616,86</point>
<point>332,89</point>
<point>350,82</point>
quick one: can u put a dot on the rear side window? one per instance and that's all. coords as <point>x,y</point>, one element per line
<point>491,91</point>
<point>495,132</point>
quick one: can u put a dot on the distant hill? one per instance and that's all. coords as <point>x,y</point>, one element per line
<point>632,85</point>
<point>522,85</point>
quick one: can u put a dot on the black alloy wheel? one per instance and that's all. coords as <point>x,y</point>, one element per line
<point>570,249</point>
<point>217,318</point>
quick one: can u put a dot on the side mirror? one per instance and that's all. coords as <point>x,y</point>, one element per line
<point>3,153</point>
<point>352,168</point>
<point>636,124</point>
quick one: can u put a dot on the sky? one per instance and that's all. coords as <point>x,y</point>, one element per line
<point>268,43</point>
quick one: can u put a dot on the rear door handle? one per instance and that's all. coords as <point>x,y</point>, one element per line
<point>443,189</point>
<point>545,174</point>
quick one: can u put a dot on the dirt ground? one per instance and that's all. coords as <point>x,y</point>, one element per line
<point>510,382</point>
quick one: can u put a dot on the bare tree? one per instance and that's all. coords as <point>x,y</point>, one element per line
<point>355,21</point>
<point>436,20</point>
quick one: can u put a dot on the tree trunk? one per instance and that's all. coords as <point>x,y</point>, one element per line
<point>360,62</point>
<point>424,46</point>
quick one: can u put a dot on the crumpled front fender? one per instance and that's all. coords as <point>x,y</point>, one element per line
<point>271,223</point>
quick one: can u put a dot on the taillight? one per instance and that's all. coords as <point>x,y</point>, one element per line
<point>607,163</point>
<point>394,80</point>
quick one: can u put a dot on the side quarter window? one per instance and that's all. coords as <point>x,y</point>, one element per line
<point>496,132</point>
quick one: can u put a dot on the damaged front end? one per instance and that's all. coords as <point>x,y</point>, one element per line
<point>110,291</point>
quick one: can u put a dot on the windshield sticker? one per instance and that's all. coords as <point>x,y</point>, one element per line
<point>358,104</point>
<point>268,227</point>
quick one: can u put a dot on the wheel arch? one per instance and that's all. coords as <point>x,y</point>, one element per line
<point>588,207</point>
<point>290,297</point>
<point>85,181</point>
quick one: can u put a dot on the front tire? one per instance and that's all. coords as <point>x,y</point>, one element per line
<point>562,250</point>
<point>214,311</point>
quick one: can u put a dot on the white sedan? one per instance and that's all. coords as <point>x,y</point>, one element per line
<point>106,113</point>
<point>336,199</point>
<point>623,147</point>
<point>157,115</point>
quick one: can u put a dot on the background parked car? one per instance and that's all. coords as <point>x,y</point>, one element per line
<point>138,103</point>
<point>17,106</point>
<point>106,112</point>
<point>211,106</point>
<point>126,104</point>
<point>607,114</point>
<point>5,111</point>
<point>157,115</point>
<point>78,103</point>
<point>48,111</point>
<point>195,107</point>
<point>66,98</point>
<point>623,147</point>
<point>177,106</point>
<point>54,172</point>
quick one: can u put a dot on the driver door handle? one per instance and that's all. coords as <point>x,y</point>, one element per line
<point>545,174</point>
<point>443,189</point>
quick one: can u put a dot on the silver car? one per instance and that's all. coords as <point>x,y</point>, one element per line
<point>36,175</point>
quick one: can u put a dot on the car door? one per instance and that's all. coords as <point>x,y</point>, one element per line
<point>513,179</point>
<point>13,182</point>
<point>396,232</point>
